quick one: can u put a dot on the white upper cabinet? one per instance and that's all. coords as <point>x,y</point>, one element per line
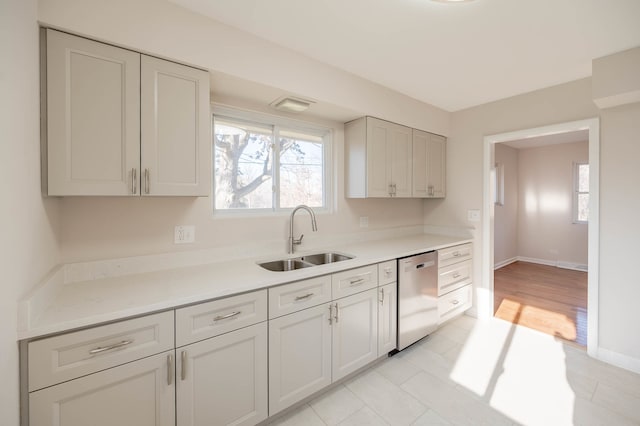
<point>429,158</point>
<point>378,159</point>
<point>385,159</point>
<point>121,123</point>
<point>174,128</point>
<point>93,116</point>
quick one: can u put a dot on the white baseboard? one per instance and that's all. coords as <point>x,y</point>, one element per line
<point>618,359</point>
<point>557,263</point>
<point>505,263</point>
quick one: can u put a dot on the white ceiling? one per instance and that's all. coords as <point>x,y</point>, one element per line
<point>452,56</point>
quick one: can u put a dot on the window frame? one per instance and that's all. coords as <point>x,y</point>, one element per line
<point>577,192</point>
<point>277,123</point>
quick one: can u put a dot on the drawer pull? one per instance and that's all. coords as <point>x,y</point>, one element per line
<point>455,302</point>
<point>330,314</point>
<point>357,281</point>
<point>110,347</point>
<point>382,294</point>
<point>223,317</point>
<point>306,296</point>
<point>456,254</point>
<point>336,317</point>
<point>456,274</point>
<point>387,271</point>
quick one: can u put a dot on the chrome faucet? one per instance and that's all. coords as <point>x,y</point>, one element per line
<point>293,241</point>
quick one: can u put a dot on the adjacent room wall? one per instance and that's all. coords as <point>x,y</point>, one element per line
<point>546,231</point>
<point>506,216</point>
<point>29,240</point>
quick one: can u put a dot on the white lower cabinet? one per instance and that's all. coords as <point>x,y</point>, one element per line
<point>354,332</point>
<point>299,355</point>
<point>140,393</point>
<point>387,318</point>
<point>310,349</point>
<point>223,380</point>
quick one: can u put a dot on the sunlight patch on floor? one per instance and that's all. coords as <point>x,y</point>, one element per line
<point>517,371</point>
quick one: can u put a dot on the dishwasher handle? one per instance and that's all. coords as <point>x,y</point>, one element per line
<point>425,265</point>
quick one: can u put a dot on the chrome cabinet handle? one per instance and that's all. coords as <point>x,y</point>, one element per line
<point>357,281</point>
<point>99,350</point>
<point>134,183</point>
<point>336,317</point>
<point>306,296</point>
<point>382,294</point>
<point>387,271</point>
<point>147,183</point>
<point>183,367</point>
<point>456,254</point>
<point>330,314</point>
<point>455,302</point>
<point>169,369</point>
<point>223,317</point>
<point>456,274</point>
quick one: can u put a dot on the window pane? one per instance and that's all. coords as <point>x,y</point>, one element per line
<point>583,207</point>
<point>583,178</point>
<point>243,165</point>
<point>301,171</point>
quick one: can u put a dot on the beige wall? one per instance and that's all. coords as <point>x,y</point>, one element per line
<point>29,246</point>
<point>545,216</point>
<point>506,216</point>
<point>620,230</point>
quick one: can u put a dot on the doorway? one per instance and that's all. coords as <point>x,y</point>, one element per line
<point>485,296</point>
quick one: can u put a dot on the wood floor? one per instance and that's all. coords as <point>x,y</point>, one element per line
<point>545,298</point>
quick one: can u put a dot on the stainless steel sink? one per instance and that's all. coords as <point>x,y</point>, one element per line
<point>304,261</point>
<point>324,258</point>
<point>285,265</point>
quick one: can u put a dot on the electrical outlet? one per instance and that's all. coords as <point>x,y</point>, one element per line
<point>184,234</point>
<point>473,215</point>
<point>364,221</point>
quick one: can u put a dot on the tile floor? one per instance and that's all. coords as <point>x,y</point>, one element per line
<point>474,372</point>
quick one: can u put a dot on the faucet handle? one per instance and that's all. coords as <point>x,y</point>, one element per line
<point>300,239</point>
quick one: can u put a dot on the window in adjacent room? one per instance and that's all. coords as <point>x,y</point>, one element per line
<point>266,164</point>
<point>580,192</point>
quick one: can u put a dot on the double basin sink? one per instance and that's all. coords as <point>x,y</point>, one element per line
<point>306,261</point>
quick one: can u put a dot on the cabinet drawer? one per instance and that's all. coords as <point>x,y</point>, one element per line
<point>387,272</point>
<point>455,254</point>
<point>454,276</point>
<point>293,297</point>
<point>454,303</point>
<point>67,356</point>
<point>210,319</point>
<point>354,281</point>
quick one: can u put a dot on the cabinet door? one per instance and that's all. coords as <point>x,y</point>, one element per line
<point>399,154</point>
<point>355,332</point>
<point>299,356</point>
<point>134,394</point>
<point>429,155</point>
<point>175,129</point>
<point>223,380</point>
<point>93,117</point>
<point>436,160</point>
<point>378,164</point>
<point>387,318</point>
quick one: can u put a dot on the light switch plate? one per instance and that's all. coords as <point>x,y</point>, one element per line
<point>184,234</point>
<point>473,215</point>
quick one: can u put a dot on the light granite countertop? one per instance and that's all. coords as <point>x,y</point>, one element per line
<point>85,303</point>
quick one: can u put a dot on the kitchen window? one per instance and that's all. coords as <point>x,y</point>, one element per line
<point>268,164</point>
<point>580,192</point>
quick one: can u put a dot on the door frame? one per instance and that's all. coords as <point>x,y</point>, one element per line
<point>485,303</point>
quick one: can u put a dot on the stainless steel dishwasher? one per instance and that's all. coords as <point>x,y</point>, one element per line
<point>417,297</point>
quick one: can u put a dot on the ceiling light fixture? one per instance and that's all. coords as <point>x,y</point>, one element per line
<point>291,105</point>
